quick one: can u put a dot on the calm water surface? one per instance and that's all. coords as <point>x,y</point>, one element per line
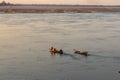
<point>25,40</point>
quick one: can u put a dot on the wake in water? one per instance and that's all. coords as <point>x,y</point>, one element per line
<point>71,56</point>
<point>102,56</point>
<point>76,57</point>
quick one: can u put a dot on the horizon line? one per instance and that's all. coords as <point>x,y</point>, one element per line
<point>57,4</point>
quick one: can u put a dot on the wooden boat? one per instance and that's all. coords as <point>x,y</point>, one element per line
<point>85,53</point>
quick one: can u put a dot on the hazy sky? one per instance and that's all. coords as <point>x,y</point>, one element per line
<point>98,2</point>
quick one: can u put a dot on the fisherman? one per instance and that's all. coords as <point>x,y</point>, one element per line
<point>53,49</point>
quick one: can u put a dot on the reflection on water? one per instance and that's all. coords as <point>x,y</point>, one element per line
<point>25,40</point>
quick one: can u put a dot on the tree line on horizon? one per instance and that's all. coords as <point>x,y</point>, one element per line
<point>4,3</point>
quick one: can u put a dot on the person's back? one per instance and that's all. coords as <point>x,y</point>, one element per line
<point>53,49</point>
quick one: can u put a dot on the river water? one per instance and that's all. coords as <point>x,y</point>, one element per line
<point>25,40</point>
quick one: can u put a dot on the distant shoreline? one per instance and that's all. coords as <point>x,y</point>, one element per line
<point>57,9</point>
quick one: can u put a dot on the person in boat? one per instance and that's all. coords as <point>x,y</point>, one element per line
<point>53,51</point>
